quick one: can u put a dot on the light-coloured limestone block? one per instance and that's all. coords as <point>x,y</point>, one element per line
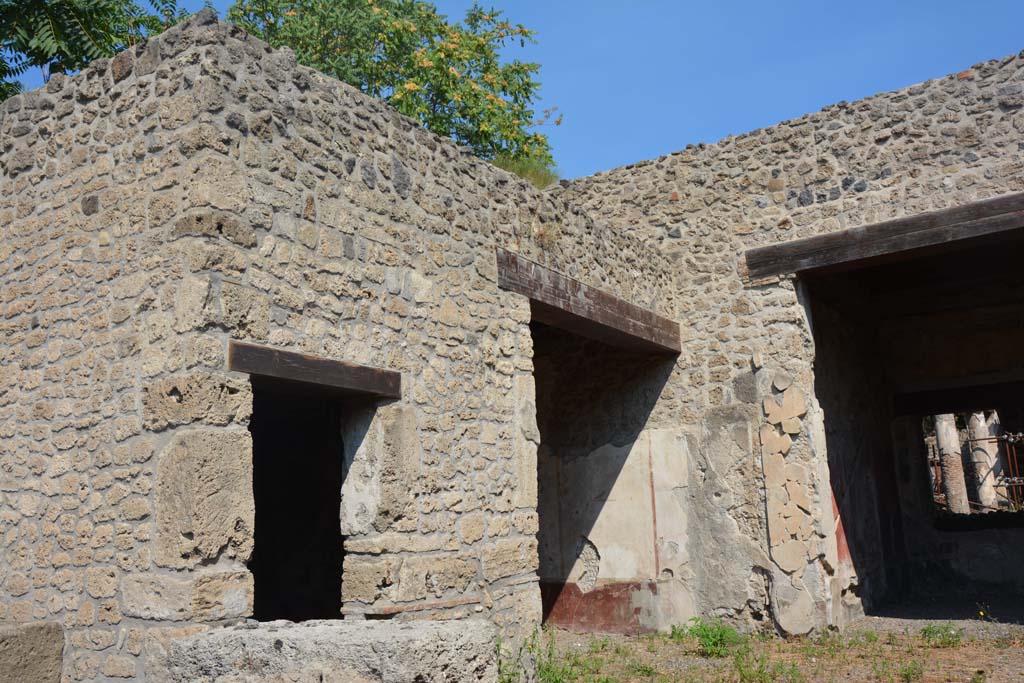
<point>509,557</point>
<point>204,500</point>
<point>154,649</point>
<point>773,442</point>
<point>407,542</point>
<point>400,463</point>
<point>361,488</point>
<point>781,380</point>
<point>364,579</point>
<point>793,405</point>
<point>205,397</point>
<point>192,306</point>
<point>794,606</point>
<point>432,575</point>
<point>222,595</point>
<point>156,596</point>
<point>244,311</point>
<point>790,555</point>
<point>32,652</point>
<point>338,652</point>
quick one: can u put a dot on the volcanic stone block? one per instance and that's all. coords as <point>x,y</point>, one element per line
<point>31,652</point>
<point>156,596</point>
<point>204,499</point>
<point>337,652</point>
<point>222,595</point>
<point>196,397</point>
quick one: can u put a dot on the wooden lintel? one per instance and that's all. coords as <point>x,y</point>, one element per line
<point>958,399</point>
<point>315,371</point>
<point>568,304</point>
<point>879,240</point>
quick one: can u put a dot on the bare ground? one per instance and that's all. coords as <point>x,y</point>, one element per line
<point>906,648</point>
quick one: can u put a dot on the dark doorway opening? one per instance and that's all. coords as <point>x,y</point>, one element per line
<point>935,331</point>
<point>297,476</point>
<point>597,529</point>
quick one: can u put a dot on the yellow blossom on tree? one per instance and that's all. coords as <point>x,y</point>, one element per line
<point>449,75</point>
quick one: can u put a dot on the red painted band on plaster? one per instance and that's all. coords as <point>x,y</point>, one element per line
<point>611,608</point>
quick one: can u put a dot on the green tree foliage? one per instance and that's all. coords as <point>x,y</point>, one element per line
<point>62,36</point>
<point>449,76</point>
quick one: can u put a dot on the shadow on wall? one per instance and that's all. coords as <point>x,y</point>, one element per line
<point>597,535</point>
<point>854,400</point>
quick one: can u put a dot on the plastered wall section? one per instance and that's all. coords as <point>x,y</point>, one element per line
<point>934,145</point>
<point>201,188</point>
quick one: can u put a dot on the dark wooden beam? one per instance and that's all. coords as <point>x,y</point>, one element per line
<point>870,243</point>
<point>293,369</point>
<point>960,399</point>
<point>568,304</point>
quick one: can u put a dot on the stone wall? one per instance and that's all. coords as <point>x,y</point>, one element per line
<point>202,187</point>
<point>934,145</point>
<point>859,455</point>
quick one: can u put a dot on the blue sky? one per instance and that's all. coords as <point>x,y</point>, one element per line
<point>638,79</point>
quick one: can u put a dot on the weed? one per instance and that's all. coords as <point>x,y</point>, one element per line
<point>512,668</point>
<point>641,669</point>
<point>756,668</point>
<point>830,642</point>
<point>589,665</point>
<point>599,645</point>
<point>863,638</point>
<point>550,669</point>
<point>979,676</point>
<point>911,671</point>
<point>942,635</point>
<point>751,668</point>
<point>714,638</point>
<point>787,673</point>
<point>882,670</point>
<point>678,633</point>
<point>537,171</point>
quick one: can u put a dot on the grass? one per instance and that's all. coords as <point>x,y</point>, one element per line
<point>712,651</point>
<point>537,171</point>
<point>714,638</point>
<point>911,671</point>
<point>942,635</point>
